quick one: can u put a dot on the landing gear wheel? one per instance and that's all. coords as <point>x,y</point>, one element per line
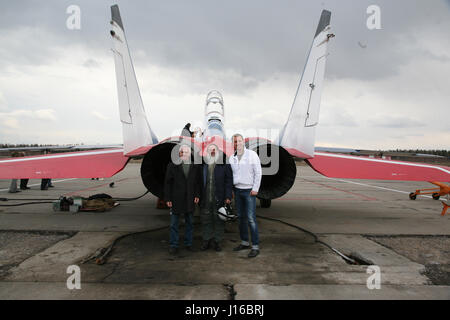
<point>436,196</point>
<point>412,196</point>
<point>265,203</point>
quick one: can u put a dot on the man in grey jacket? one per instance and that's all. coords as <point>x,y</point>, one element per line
<point>247,174</point>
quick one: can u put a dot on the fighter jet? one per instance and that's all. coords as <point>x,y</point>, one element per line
<point>295,141</point>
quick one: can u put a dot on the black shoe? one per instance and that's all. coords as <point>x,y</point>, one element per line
<point>241,247</point>
<point>253,253</point>
<point>50,186</point>
<point>24,188</point>
<point>44,188</point>
<point>205,245</point>
<point>217,246</point>
<point>189,248</point>
<point>173,250</point>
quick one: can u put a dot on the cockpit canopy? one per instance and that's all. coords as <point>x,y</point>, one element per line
<point>214,106</point>
<point>214,114</point>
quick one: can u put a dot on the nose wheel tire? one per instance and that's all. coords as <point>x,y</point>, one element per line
<point>412,196</point>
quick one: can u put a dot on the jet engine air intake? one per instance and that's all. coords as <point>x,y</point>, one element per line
<point>154,165</point>
<point>153,168</point>
<point>278,168</point>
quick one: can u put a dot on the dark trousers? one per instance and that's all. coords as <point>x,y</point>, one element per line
<point>23,183</point>
<point>44,184</point>
<point>212,225</point>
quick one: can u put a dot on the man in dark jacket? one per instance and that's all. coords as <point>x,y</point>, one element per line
<point>187,131</point>
<point>182,189</point>
<point>217,191</point>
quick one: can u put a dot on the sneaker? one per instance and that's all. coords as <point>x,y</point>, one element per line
<point>253,253</point>
<point>173,250</point>
<point>241,247</point>
<point>205,245</point>
<point>217,246</point>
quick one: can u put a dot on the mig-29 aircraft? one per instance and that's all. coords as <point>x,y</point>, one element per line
<point>296,139</point>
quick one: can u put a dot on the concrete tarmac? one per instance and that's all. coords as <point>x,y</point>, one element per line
<point>372,222</point>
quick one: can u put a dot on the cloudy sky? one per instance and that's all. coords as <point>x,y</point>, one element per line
<point>384,89</point>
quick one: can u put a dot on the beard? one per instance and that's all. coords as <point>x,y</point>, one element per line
<point>209,159</point>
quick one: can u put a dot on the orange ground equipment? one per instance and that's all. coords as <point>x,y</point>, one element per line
<point>444,209</point>
<point>436,193</point>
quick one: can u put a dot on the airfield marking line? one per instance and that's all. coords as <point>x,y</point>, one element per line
<point>349,192</point>
<point>38,184</point>
<point>369,185</point>
<point>382,161</point>
<point>315,199</point>
<point>57,156</point>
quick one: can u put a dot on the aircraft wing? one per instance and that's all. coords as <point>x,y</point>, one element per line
<point>68,147</point>
<point>358,167</point>
<point>86,164</point>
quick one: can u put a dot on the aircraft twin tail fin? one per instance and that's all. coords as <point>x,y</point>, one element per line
<point>136,129</point>
<point>298,134</point>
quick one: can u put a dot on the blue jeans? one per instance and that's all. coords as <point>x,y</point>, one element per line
<point>246,210</point>
<point>174,236</point>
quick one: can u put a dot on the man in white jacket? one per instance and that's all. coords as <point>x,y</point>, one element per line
<point>247,175</point>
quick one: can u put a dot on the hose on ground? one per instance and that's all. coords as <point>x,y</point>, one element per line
<point>316,239</point>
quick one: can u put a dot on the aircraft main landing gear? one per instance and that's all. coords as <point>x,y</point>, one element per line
<point>265,203</point>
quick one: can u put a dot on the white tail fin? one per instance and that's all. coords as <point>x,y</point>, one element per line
<point>299,131</point>
<point>136,129</point>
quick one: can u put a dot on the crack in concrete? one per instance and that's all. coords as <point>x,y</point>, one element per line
<point>230,288</point>
<point>115,267</point>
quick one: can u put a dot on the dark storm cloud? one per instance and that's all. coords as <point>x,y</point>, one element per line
<point>254,38</point>
<point>252,50</point>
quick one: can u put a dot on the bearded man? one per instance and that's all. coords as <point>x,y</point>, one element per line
<point>216,192</point>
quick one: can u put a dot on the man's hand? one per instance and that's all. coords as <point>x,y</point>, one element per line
<point>169,204</point>
<point>196,200</point>
<point>227,201</point>
<point>253,193</point>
